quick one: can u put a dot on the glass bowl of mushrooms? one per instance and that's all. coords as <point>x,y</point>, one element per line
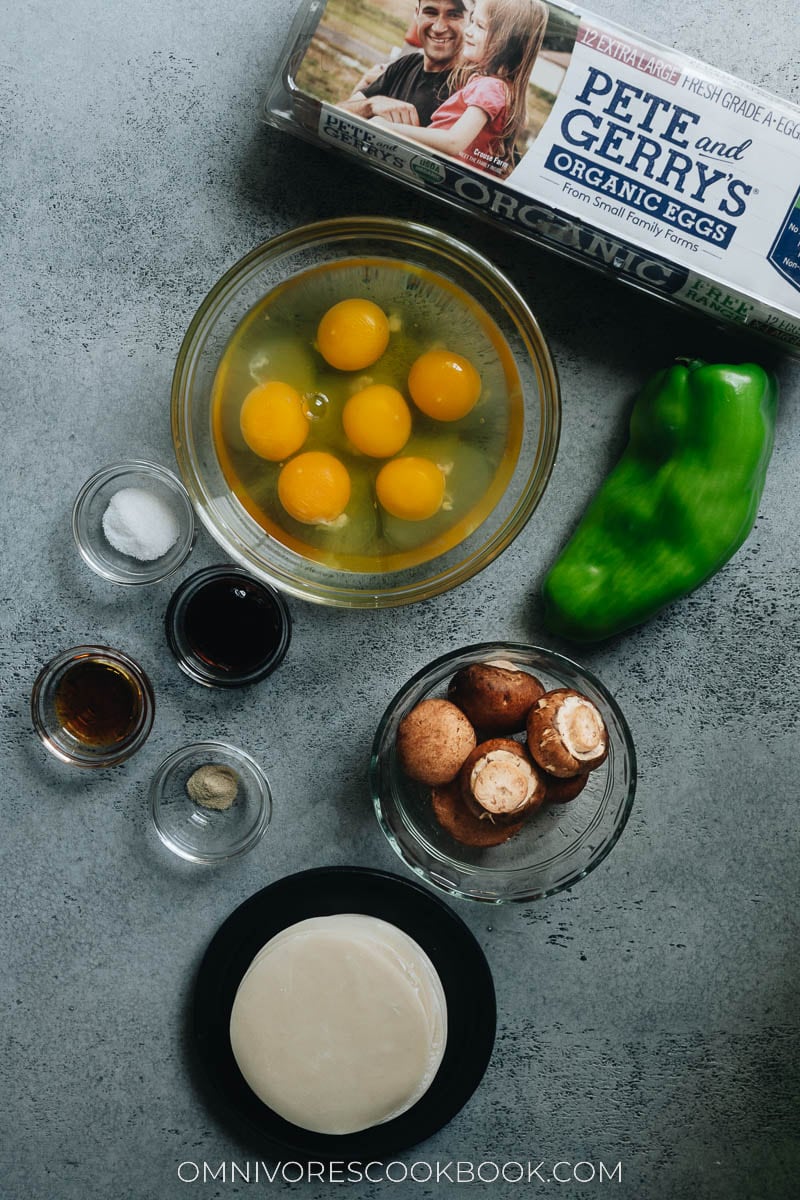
<point>503,772</point>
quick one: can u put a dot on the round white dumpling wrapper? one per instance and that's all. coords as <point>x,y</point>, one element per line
<point>339,1023</point>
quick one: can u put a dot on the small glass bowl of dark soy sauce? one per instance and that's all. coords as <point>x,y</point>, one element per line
<point>227,629</point>
<point>92,706</point>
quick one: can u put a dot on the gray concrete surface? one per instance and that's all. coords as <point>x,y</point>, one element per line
<point>647,1017</point>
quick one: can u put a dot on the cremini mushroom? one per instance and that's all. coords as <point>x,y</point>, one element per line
<point>560,791</point>
<point>499,782</point>
<point>433,740</point>
<point>495,696</point>
<point>456,819</point>
<point>566,733</point>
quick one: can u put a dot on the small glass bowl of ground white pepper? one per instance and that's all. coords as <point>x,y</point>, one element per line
<point>133,522</point>
<point>210,802</point>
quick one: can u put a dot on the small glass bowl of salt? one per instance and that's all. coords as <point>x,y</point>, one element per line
<point>133,522</point>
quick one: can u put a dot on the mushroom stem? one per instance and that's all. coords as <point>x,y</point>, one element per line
<point>502,782</point>
<point>499,781</point>
<point>580,726</point>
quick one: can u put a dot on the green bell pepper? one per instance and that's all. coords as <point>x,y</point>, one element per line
<point>679,503</point>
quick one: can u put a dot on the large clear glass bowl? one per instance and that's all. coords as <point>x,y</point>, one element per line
<point>558,845</point>
<point>254,277</point>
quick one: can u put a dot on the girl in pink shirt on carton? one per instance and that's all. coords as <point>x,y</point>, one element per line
<point>486,110</point>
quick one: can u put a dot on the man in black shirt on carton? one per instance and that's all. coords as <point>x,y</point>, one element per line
<point>412,87</point>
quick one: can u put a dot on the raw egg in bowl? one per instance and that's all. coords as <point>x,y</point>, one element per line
<point>365,412</point>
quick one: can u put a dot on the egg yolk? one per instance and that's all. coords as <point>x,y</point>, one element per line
<point>273,421</point>
<point>411,488</point>
<point>444,385</point>
<point>377,420</point>
<point>353,334</point>
<point>314,487</point>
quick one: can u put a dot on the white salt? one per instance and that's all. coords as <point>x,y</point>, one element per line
<point>140,523</point>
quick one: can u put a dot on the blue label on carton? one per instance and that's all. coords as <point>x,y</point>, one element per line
<point>785,251</point>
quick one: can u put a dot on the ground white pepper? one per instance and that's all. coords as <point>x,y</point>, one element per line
<point>213,786</point>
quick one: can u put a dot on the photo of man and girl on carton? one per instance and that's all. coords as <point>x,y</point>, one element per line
<point>470,79</point>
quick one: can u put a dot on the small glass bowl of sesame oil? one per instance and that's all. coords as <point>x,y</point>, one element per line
<point>92,706</point>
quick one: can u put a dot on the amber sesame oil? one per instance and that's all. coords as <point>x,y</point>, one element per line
<point>475,453</point>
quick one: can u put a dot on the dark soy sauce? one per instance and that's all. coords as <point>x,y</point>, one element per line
<point>226,628</point>
<point>231,625</point>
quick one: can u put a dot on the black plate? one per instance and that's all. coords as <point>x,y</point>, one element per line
<point>459,960</point>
